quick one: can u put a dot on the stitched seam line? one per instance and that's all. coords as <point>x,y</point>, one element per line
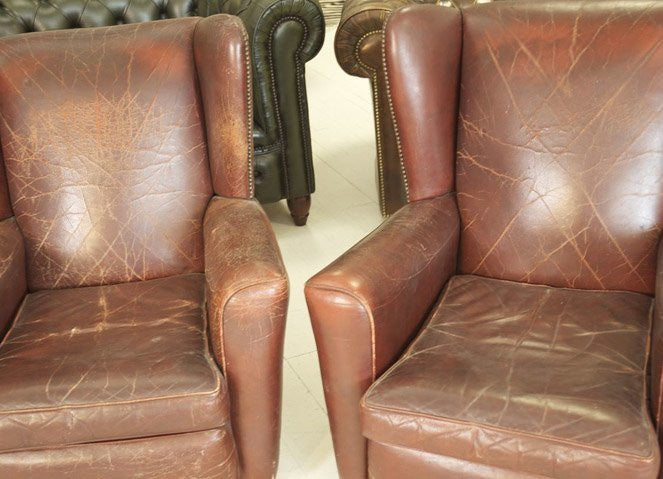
<point>225,308</point>
<point>397,134</point>
<point>113,441</point>
<point>376,115</point>
<point>507,431</point>
<point>369,315</point>
<point>279,120</point>
<point>216,389</point>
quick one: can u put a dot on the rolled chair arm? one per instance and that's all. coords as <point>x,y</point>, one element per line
<point>359,34</point>
<point>247,299</point>
<point>262,19</point>
<point>367,305</point>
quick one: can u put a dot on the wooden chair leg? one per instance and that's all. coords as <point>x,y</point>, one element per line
<point>299,208</point>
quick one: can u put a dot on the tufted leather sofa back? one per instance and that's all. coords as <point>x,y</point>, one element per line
<point>20,16</point>
<point>104,148</point>
<point>559,169</point>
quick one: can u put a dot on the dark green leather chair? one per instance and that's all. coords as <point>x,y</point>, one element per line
<point>284,35</point>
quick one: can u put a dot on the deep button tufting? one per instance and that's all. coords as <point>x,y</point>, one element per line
<point>21,16</point>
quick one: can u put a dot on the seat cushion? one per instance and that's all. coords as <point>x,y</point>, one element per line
<point>111,362</point>
<point>547,381</point>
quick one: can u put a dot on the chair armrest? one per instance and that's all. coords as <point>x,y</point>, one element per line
<point>273,52</point>
<point>657,348</point>
<point>247,298</point>
<point>358,42</point>
<point>13,284</point>
<point>367,306</point>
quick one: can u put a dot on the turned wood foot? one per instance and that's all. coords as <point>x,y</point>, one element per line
<point>299,208</point>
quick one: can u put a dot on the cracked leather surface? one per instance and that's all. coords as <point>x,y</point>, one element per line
<point>88,365</point>
<point>567,142</point>
<point>560,143</point>
<point>106,160</point>
<point>118,362</point>
<point>13,285</point>
<point>365,311</point>
<point>283,168</point>
<point>227,115</point>
<point>532,378</point>
<point>247,300</point>
<point>656,391</point>
<point>203,455</point>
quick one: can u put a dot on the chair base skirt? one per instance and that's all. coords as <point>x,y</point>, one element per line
<point>204,455</point>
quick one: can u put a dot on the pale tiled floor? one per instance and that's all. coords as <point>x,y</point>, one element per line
<point>345,209</point>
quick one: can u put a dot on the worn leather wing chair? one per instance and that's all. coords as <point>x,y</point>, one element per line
<point>284,35</point>
<point>500,324</point>
<point>358,46</point>
<point>142,287</point>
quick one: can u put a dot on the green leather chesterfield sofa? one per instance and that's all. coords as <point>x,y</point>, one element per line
<point>283,35</point>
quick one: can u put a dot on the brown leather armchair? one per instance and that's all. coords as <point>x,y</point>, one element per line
<point>499,324</point>
<point>143,292</point>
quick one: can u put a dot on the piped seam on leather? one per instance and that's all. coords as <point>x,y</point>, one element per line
<point>223,429</point>
<point>442,419</point>
<point>216,390</point>
<point>367,311</point>
<point>231,296</point>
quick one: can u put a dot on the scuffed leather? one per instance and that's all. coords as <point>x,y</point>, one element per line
<point>90,364</point>
<point>112,363</point>
<point>537,379</point>
<point>600,376</point>
<point>561,183</point>
<point>13,284</point>
<point>365,311</point>
<point>428,154</point>
<point>106,157</point>
<point>656,362</point>
<point>247,300</point>
<point>201,455</point>
<point>221,52</point>
<point>285,168</point>
<point>5,203</point>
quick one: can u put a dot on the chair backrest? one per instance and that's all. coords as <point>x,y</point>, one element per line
<point>560,143</point>
<point>558,166</point>
<point>104,144</point>
<point>21,16</point>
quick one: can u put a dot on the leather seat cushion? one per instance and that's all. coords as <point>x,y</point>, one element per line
<point>109,362</point>
<point>536,379</point>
